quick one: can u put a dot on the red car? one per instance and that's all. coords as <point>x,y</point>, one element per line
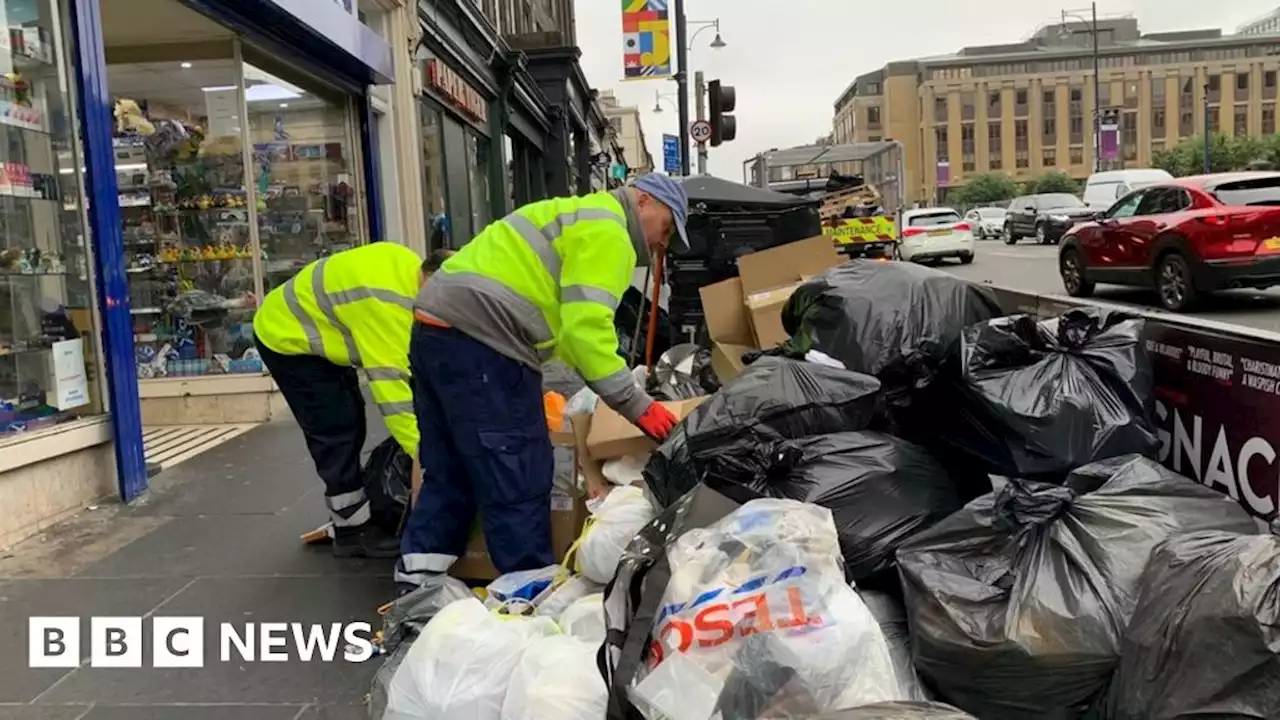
<point>1184,238</point>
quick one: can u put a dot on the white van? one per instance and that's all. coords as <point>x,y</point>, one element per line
<point>1104,188</point>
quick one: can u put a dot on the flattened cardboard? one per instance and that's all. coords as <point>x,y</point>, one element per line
<point>567,517</point>
<point>612,436</point>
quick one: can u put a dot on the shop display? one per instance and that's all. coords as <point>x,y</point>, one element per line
<point>46,369</point>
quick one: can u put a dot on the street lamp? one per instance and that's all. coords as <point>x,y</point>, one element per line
<point>683,44</point>
<point>1065,33</point>
<point>717,43</point>
<point>659,97</point>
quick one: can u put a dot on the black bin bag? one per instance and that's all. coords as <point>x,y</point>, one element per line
<point>1039,399</point>
<point>881,490</point>
<point>773,399</point>
<point>1205,637</point>
<point>896,321</point>
<point>1018,601</point>
<point>387,484</point>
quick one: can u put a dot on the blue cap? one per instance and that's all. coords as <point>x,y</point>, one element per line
<point>670,193</point>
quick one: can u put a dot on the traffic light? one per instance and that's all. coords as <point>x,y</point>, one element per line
<point>722,99</point>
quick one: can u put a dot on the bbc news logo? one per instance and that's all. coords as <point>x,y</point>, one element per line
<point>179,642</point>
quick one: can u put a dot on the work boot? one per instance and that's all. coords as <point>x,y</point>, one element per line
<point>364,541</point>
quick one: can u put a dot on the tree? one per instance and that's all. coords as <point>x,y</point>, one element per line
<point>983,189</point>
<point>1226,154</point>
<point>1054,182</point>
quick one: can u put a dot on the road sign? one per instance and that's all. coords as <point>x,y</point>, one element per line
<point>700,131</point>
<point>671,154</point>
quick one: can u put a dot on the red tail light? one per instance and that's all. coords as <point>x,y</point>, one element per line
<point>962,227</point>
<point>1216,220</point>
<point>911,232</point>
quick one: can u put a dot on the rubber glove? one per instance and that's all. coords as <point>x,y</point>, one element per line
<point>657,422</point>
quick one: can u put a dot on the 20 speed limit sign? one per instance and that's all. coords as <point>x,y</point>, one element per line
<point>700,131</point>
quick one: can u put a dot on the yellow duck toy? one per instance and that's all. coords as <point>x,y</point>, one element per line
<point>129,119</point>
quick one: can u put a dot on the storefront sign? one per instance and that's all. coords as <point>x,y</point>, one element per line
<point>450,85</point>
<point>70,386</point>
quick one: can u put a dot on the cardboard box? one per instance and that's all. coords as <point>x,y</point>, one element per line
<point>745,313</point>
<point>567,517</point>
<point>612,436</point>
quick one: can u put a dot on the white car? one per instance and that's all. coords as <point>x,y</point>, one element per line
<point>987,222</point>
<point>930,234</point>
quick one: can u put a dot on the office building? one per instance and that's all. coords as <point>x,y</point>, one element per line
<point>627,127</point>
<point>1027,108</point>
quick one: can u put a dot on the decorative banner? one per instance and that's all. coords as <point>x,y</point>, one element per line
<point>646,39</point>
<point>1110,132</point>
<point>944,173</point>
<point>671,154</point>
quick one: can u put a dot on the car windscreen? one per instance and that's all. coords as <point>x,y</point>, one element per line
<point>1058,201</point>
<point>991,212</point>
<point>944,217</point>
<point>1260,191</point>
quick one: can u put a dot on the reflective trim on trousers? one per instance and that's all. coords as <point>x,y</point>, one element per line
<point>345,500</point>
<point>587,293</point>
<point>354,517</point>
<point>414,568</point>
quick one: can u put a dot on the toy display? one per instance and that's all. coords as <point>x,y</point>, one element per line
<point>192,245</point>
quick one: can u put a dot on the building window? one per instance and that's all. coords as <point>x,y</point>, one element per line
<point>1186,123</point>
<point>1268,119</point>
<point>1077,155</point>
<point>993,104</point>
<point>995,162</point>
<point>1157,92</point>
<point>1131,94</point>
<point>478,173</point>
<point>1241,120</point>
<point>1020,135</point>
<point>873,116</point>
<point>1076,130</point>
<point>967,146</point>
<point>995,145</point>
<point>1157,146</point>
<point>433,197</point>
<point>1104,95</point>
<point>1077,95</point>
<point>1242,85</point>
<point>873,88</point>
<point>1215,88</point>
<point>940,109</point>
<point>1020,108</point>
<point>1269,84</point>
<point>1215,120</point>
<point>874,138</point>
<point>1049,158</point>
<point>616,123</point>
<point>1129,135</point>
<point>1050,98</point>
<point>1157,122</point>
<point>1050,130</point>
<point>966,106</point>
<point>940,142</point>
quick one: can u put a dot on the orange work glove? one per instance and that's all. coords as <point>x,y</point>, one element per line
<point>657,422</point>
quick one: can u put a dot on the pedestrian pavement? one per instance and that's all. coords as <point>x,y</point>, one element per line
<point>215,537</point>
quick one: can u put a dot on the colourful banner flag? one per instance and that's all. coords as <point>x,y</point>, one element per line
<point>646,39</point>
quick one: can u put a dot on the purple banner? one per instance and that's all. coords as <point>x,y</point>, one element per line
<point>944,173</point>
<point>1110,141</point>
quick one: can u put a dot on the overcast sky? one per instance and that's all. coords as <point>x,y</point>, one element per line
<point>790,60</point>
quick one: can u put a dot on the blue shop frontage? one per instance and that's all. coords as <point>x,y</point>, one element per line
<point>170,162</point>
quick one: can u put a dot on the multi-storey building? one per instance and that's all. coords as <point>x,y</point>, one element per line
<point>627,127</point>
<point>1265,25</point>
<point>1027,108</point>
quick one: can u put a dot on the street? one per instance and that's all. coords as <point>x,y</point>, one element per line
<point>1034,268</point>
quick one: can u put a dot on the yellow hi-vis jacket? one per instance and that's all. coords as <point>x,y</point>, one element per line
<point>354,309</point>
<point>546,280</point>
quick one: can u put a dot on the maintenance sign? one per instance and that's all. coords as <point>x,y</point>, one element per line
<point>847,231</point>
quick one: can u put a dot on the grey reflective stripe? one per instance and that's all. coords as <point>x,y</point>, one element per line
<point>539,242</point>
<point>395,408</point>
<point>541,238</point>
<point>355,519</point>
<point>413,568</point>
<point>345,500</point>
<point>614,384</point>
<point>586,293</point>
<point>290,293</point>
<point>343,297</point>
<point>385,373</point>
<point>324,301</point>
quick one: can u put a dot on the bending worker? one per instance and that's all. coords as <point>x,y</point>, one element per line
<point>546,279</point>
<point>349,310</point>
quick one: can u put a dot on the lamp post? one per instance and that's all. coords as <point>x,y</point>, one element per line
<point>1097,81</point>
<point>684,43</point>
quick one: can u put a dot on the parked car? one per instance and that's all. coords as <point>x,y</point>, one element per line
<point>1046,217</point>
<point>987,222</point>
<point>1184,238</point>
<point>931,234</point>
<point>1102,189</point>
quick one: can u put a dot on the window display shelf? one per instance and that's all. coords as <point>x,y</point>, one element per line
<point>22,117</point>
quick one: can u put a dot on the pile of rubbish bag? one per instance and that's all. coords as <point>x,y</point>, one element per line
<point>918,508</point>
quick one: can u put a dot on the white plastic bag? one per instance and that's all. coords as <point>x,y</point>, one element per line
<point>757,621</point>
<point>557,679</point>
<point>622,513</point>
<point>460,667</point>
<point>627,470</point>
<point>892,618</point>
<point>583,402</point>
<point>569,592</point>
<point>518,589</point>
<point>584,619</point>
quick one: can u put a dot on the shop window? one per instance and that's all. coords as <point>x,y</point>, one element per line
<point>478,173</point>
<point>433,196</point>
<point>184,206</point>
<point>47,372</point>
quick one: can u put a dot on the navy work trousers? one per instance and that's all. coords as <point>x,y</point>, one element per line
<point>326,402</point>
<point>484,446</point>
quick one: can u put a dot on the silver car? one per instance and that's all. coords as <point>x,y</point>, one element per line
<point>987,222</point>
